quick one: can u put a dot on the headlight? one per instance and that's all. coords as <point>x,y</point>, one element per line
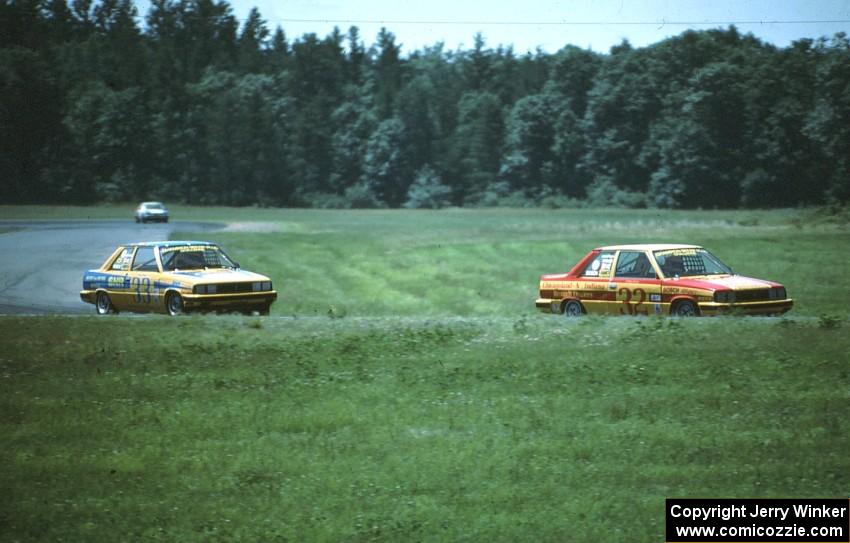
<point>261,286</point>
<point>206,289</point>
<point>724,296</point>
<point>777,293</point>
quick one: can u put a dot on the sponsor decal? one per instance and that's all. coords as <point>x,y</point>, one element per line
<point>184,248</point>
<point>677,252</point>
<point>595,286</point>
<point>104,280</point>
<point>117,282</point>
<point>674,290</point>
<point>655,298</point>
<point>556,285</point>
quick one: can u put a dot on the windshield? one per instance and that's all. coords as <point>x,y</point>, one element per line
<point>194,257</point>
<point>689,262</point>
<point>153,206</point>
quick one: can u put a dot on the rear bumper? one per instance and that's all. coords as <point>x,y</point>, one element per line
<point>771,307</point>
<point>224,301</point>
<point>547,305</point>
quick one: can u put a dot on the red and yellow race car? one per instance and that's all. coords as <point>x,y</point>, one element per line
<point>657,279</point>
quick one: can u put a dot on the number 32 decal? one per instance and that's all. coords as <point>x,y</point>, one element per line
<point>636,307</point>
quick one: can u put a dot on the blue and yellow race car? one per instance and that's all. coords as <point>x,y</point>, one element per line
<point>174,277</point>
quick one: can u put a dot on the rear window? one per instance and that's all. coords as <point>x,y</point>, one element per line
<point>122,263</point>
<point>600,266</point>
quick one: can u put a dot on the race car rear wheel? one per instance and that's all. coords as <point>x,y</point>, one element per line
<point>174,304</point>
<point>103,304</point>
<point>572,309</point>
<point>685,308</point>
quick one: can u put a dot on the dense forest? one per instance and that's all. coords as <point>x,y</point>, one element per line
<point>189,104</point>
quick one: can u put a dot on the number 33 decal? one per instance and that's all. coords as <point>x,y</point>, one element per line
<point>142,286</point>
<point>633,308</point>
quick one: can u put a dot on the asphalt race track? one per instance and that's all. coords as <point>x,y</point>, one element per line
<point>42,264</point>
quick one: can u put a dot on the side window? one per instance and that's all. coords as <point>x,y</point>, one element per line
<point>145,260</point>
<point>122,263</point>
<point>600,266</point>
<point>634,264</point>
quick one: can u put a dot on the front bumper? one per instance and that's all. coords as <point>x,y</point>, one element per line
<point>246,300</point>
<point>767,307</point>
<point>152,218</point>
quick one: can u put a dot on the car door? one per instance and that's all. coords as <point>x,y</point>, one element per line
<point>142,276</point>
<point>637,286</point>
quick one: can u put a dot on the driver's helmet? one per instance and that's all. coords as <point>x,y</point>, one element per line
<point>673,265</point>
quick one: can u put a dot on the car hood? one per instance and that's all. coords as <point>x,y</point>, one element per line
<point>217,275</point>
<point>722,282</point>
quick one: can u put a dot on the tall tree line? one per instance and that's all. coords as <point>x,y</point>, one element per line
<point>199,107</point>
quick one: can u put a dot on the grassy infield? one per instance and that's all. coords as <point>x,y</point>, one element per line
<point>417,396</point>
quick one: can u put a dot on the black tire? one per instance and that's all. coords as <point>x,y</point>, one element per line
<point>573,309</point>
<point>103,305</point>
<point>685,308</point>
<point>174,304</point>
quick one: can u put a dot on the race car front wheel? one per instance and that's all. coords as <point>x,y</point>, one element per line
<point>103,304</point>
<point>685,308</point>
<point>174,303</point>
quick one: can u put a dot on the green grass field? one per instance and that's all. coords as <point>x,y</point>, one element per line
<point>413,394</point>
